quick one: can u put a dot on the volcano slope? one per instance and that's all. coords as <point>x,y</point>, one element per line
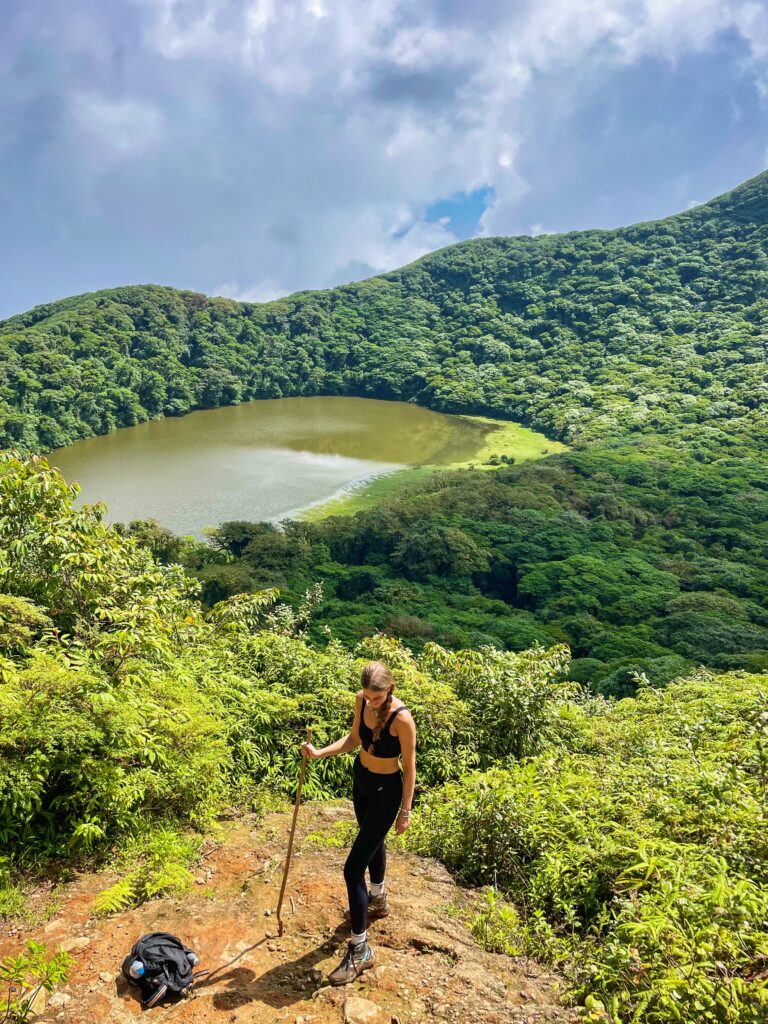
<point>592,337</point>
<point>428,966</point>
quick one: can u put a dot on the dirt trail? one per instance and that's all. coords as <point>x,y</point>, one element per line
<point>428,966</point>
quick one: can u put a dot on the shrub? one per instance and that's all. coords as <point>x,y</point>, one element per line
<point>636,860</point>
<point>151,865</point>
<point>511,696</point>
<point>25,975</point>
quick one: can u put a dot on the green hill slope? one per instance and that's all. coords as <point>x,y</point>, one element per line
<point>589,336</point>
<point>623,842</point>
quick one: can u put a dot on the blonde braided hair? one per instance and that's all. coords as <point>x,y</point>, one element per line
<point>377,677</point>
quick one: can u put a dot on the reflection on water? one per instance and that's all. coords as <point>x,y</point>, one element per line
<point>259,460</point>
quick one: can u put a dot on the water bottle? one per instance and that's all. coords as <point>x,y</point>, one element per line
<point>193,958</point>
<point>136,970</point>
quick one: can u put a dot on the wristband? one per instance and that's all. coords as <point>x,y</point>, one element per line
<point>404,811</point>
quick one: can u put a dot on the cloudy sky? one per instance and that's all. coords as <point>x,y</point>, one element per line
<point>251,148</point>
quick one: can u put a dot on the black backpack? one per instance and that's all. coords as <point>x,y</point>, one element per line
<point>167,968</point>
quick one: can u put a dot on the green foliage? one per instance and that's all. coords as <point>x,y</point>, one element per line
<point>496,924</point>
<point>511,697</point>
<point>154,864</point>
<point>12,900</point>
<point>203,709</point>
<point>24,976</point>
<point>588,336</point>
<point>21,622</point>
<point>103,593</point>
<point>633,852</point>
<point>642,562</point>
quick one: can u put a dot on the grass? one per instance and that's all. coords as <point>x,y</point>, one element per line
<point>502,440</point>
<point>12,901</point>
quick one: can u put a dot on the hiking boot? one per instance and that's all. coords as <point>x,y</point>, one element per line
<point>377,908</point>
<point>356,960</point>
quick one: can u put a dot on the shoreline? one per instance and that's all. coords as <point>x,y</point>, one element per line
<point>504,438</point>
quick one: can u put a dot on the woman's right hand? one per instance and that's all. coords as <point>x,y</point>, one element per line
<point>308,750</point>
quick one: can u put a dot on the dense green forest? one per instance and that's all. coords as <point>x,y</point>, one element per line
<point>639,562</point>
<point>591,337</point>
<point>149,682</point>
<point>644,549</point>
<point>623,842</point>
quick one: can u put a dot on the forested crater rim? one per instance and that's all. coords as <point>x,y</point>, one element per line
<point>729,203</point>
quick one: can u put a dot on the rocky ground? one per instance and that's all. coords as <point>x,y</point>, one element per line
<point>428,966</point>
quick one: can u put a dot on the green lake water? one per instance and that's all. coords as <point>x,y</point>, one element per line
<point>262,460</point>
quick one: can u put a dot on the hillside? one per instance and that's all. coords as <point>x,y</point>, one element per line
<point>621,843</point>
<point>644,348</point>
<point>590,337</point>
<point>429,967</point>
<point>641,562</point>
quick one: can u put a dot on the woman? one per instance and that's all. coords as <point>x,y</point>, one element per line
<point>382,796</point>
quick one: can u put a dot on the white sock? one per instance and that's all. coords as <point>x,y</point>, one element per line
<point>357,939</point>
<point>376,888</point>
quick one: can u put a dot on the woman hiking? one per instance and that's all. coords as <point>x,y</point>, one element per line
<point>382,795</point>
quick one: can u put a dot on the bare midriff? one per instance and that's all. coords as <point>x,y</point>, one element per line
<point>379,765</point>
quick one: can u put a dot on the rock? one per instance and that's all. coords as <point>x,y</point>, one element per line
<point>329,994</point>
<point>199,880</point>
<point>360,1011</point>
<point>79,942</point>
<point>106,977</point>
<point>60,999</point>
<point>267,913</point>
<point>38,1004</point>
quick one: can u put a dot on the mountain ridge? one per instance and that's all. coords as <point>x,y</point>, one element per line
<point>718,201</point>
<point>585,336</point>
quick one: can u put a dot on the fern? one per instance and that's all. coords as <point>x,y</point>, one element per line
<point>172,879</point>
<point>119,896</point>
<point>158,867</point>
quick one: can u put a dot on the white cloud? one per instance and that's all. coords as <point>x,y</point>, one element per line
<point>275,144</point>
<point>381,242</point>
<point>262,291</point>
<point>176,34</point>
<point>321,68</point>
<point>425,46</point>
<point>115,129</point>
<point>259,14</point>
<point>317,8</point>
<point>752,22</point>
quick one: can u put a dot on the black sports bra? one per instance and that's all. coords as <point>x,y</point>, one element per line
<point>386,745</point>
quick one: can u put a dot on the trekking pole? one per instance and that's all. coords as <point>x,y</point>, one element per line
<point>290,840</point>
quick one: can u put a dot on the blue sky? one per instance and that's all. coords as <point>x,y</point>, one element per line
<point>256,147</point>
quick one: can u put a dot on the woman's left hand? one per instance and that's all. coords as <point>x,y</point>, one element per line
<point>402,823</point>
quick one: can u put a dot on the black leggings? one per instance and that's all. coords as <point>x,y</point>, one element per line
<point>377,800</point>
